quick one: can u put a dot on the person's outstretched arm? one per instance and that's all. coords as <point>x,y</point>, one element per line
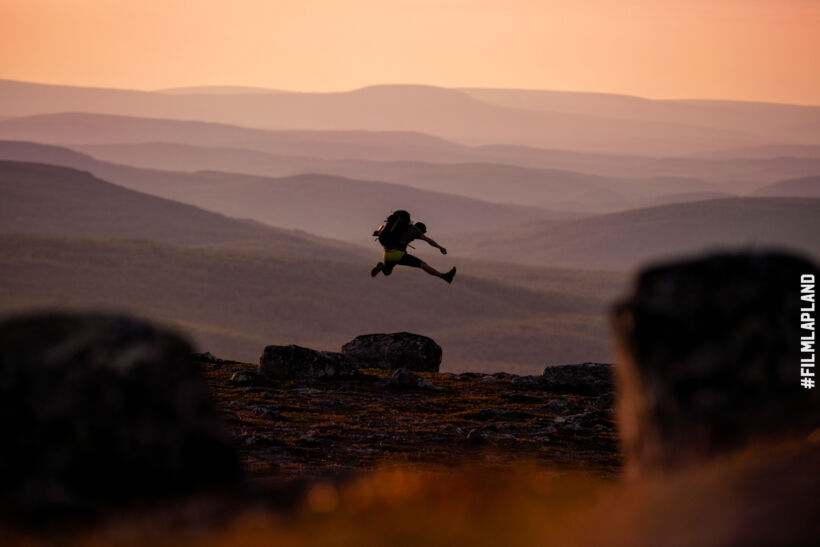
<point>434,244</point>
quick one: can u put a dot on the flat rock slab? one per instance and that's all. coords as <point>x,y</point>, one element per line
<point>293,362</point>
<point>584,378</point>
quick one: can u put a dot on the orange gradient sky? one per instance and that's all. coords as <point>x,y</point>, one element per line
<point>729,49</point>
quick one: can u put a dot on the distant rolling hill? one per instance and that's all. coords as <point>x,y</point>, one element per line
<point>46,199</point>
<point>330,206</point>
<point>447,113</point>
<point>117,138</point>
<point>808,187</point>
<point>236,303</point>
<point>683,198</point>
<point>623,241</point>
<point>217,90</point>
<point>90,128</point>
<point>550,189</point>
<point>789,123</point>
<point>732,173</point>
<point>772,151</point>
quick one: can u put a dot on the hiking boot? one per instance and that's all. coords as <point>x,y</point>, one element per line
<point>448,277</point>
<point>376,269</point>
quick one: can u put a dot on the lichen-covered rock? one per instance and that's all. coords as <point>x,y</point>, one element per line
<point>99,412</point>
<point>395,351</point>
<point>304,364</point>
<point>583,378</point>
<point>710,357</point>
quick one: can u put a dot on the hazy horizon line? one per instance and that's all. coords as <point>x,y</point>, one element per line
<point>262,90</point>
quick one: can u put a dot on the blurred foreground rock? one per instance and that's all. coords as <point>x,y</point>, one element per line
<point>297,363</point>
<point>710,357</point>
<point>395,351</point>
<point>98,412</point>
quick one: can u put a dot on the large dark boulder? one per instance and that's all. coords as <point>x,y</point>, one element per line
<point>100,412</point>
<point>710,357</point>
<point>395,351</point>
<point>584,379</point>
<point>304,364</point>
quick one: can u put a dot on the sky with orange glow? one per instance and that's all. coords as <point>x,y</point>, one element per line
<point>728,49</point>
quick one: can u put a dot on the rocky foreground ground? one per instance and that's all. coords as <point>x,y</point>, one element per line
<point>108,424</point>
<point>380,417</point>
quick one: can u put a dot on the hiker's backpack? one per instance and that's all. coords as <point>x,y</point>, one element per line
<point>390,233</point>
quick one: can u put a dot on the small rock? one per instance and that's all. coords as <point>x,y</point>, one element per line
<point>557,405</point>
<point>451,429</point>
<point>250,439</point>
<point>427,384</point>
<point>486,435</point>
<point>584,422</point>
<point>244,378</point>
<point>549,430</point>
<point>309,437</point>
<point>264,412</point>
<point>464,376</point>
<point>307,391</point>
<point>489,380</point>
<point>515,397</point>
<point>403,378</point>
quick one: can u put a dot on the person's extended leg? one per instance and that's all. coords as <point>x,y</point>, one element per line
<point>429,269</point>
<point>392,258</point>
<point>448,277</point>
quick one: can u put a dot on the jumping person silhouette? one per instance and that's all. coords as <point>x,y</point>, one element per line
<point>394,235</point>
